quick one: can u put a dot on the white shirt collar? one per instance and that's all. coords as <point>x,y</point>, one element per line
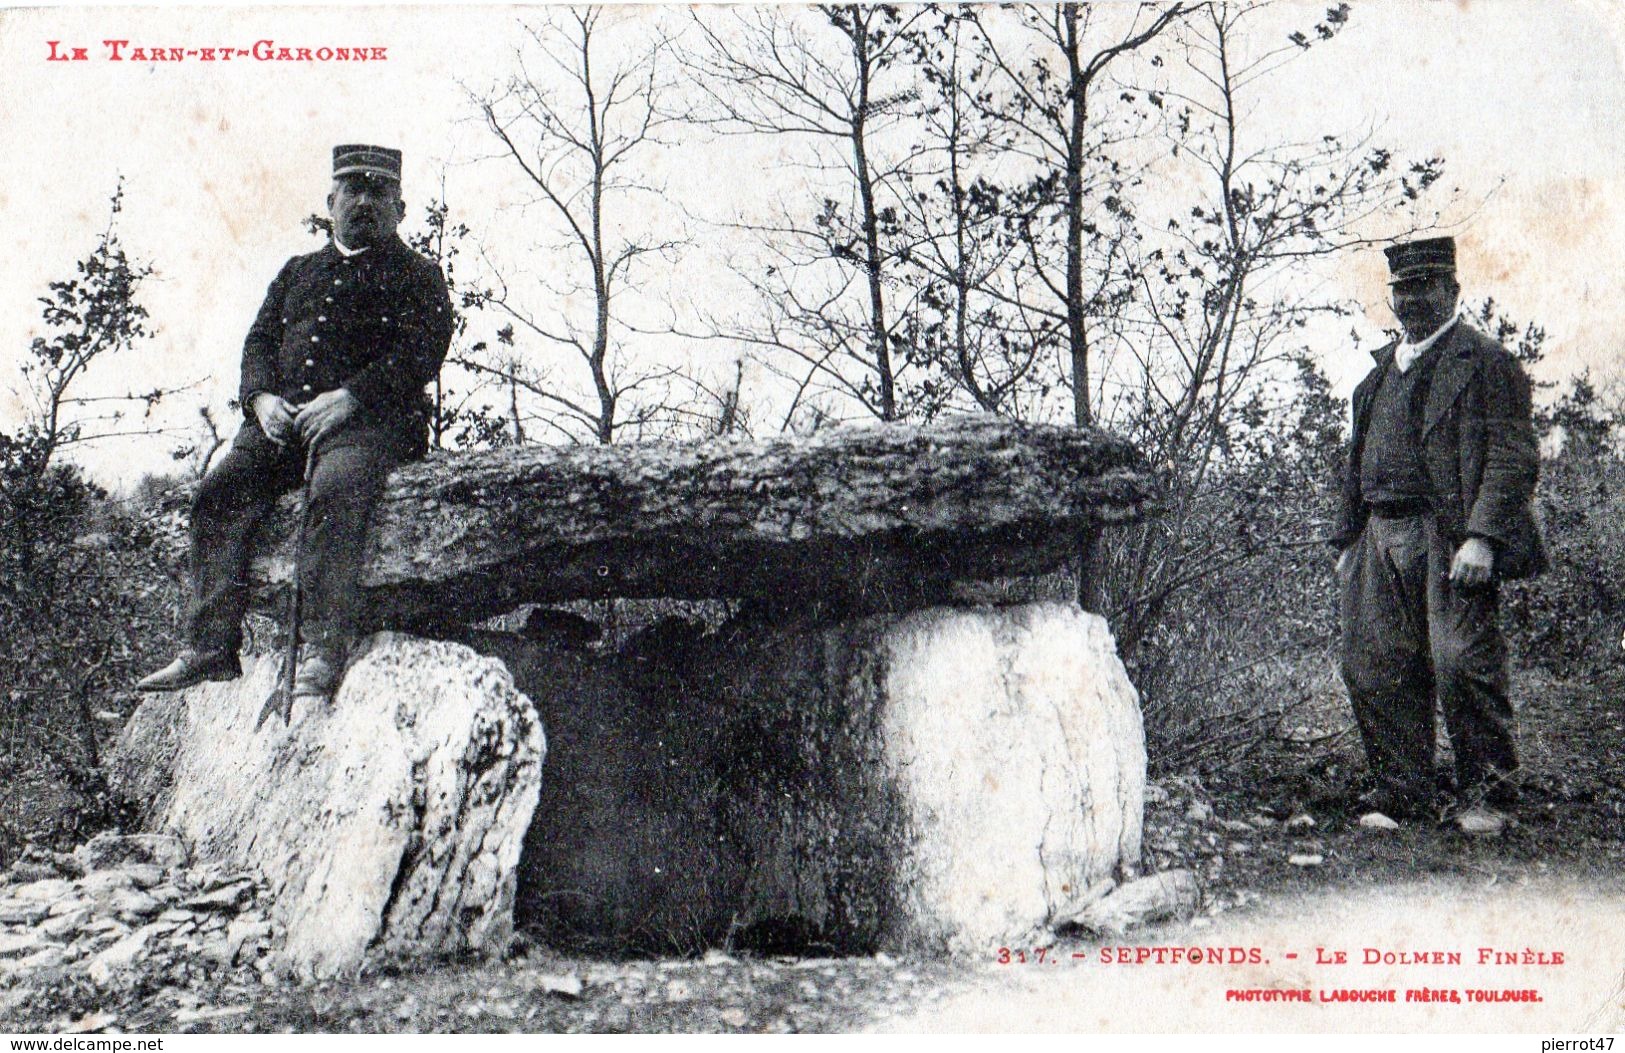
<point>345,250</point>
<point>1406,354</point>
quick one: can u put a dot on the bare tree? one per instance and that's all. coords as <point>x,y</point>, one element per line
<point>970,226</point>
<point>836,77</point>
<point>956,210</point>
<point>575,121</point>
<point>1217,368</point>
<point>1051,72</point>
<point>196,452</point>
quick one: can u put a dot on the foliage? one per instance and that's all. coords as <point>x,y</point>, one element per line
<point>1568,621</point>
<point>82,598</point>
<point>462,417</point>
<point>992,321</point>
<point>1233,624</point>
<point>86,604</point>
<point>88,318</point>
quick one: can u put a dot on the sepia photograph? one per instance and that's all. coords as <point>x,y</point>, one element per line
<point>781,518</point>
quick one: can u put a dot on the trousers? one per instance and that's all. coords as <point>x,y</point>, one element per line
<point>1409,635</point>
<point>351,466</point>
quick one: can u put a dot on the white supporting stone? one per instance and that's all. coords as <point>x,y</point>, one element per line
<point>1014,739</point>
<point>946,780</point>
<point>392,819</point>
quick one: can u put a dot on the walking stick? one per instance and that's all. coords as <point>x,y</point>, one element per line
<point>281,700</point>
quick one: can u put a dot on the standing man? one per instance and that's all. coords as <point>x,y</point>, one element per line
<point>1436,512</point>
<point>334,370</point>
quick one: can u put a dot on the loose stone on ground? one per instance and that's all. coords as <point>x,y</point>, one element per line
<point>101,928</point>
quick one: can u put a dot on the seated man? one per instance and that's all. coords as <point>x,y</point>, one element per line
<point>333,378</point>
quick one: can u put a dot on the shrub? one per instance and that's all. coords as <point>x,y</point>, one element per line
<point>1233,651</point>
<point>85,602</point>
<point>1222,601</point>
<point>1568,621</point>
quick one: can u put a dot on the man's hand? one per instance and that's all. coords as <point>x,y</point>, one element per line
<point>325,414</point>
<point>1473,563</point>
<point>276,417</point>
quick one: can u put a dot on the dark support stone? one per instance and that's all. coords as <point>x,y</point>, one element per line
<point>827,785</point>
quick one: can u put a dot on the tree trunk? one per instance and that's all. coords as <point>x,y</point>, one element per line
<point>1077,331</point>
<point>879,335</point>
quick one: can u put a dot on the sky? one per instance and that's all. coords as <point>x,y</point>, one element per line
<point>222,161</point>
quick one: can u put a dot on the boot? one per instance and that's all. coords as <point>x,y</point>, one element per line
<point>320,669</point>
<point>1480,820</point>
<point>190,668</point>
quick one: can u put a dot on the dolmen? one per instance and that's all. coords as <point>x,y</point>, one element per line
<point>829,694</point>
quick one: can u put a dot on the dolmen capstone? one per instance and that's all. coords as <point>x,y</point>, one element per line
<point>880,743</point>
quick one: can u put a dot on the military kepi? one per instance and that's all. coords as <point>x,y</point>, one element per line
<point>1421,259</point>
<point>356,159</point>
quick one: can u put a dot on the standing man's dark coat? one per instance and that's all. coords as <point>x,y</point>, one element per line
<point>1437,511</point>
<point>1478,446</point>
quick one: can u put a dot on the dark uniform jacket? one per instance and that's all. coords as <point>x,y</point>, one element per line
<point>377,323</point>
<point>1478,448</point>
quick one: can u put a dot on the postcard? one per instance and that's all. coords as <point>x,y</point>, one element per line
<point>762,518</point>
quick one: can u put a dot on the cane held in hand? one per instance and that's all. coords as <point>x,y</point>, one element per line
<point>281,700</point>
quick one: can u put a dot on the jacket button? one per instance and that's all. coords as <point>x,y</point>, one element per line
<point>321,318</point>
<point>338,281</point>
<point>315,339</point>
<point>310,361</point>
<point>329,300</point>
<point>307,387</point>
<point>386,317</point>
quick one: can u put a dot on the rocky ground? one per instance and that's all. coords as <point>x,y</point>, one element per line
<point>1284,818</point>
<point>117,919</point>
<point>122,935</point>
